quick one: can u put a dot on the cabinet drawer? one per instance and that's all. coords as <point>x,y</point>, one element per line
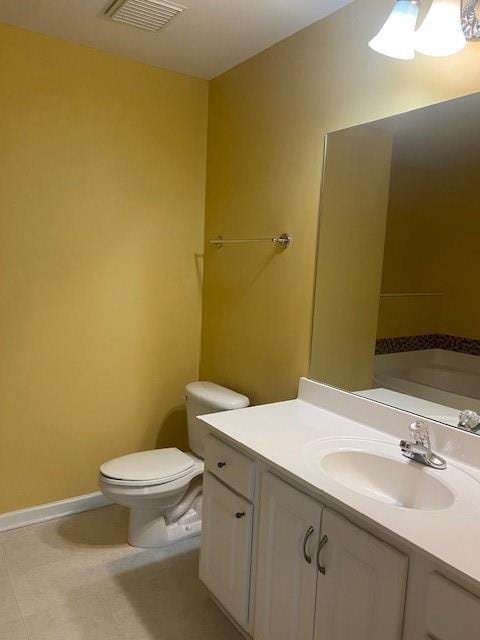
<point>231,466</point>
<point>449,609</point>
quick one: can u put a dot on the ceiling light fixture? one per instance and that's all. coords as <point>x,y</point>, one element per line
<point>471,19</point>
<point>396,38</point>
<point>440,34</point>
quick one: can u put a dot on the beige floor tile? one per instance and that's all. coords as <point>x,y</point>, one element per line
<point>90,535</point>
<point>145,563</point>
<point>9,610</point>
<point>30,551</point>
<point>14,534</point>
<point>172,615</point>
<point>77,620</point>
<point>77,579</point>
<point>56,584</point>
<point>14,630</point>
<point>101,529</point>
<point>164,599</point>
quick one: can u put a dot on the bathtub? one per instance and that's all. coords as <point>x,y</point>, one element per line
<point>442,377</point>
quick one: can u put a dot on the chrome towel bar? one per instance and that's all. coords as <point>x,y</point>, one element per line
<point>412,295</point>
<point>283,241</point>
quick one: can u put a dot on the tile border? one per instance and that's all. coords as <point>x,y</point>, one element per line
<point>428,341</point>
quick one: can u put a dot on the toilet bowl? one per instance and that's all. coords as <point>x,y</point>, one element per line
<point>163,487</point>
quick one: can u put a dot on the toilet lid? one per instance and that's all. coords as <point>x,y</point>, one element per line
<point>158,464</point>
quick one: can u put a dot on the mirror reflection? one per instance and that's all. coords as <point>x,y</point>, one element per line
<point>397,301</point>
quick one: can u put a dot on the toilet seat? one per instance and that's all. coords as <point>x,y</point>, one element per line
<point>148,468</point>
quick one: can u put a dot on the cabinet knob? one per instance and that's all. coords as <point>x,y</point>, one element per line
<point>239,514</point>
<point>220,465</point>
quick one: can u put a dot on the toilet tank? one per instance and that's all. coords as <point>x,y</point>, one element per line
<point>207,397</point>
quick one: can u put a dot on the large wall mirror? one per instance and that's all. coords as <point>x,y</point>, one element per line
<point>397,301</point>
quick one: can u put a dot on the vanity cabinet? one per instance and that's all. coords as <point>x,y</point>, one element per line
<point>452,613</point>
<point>286,567</point>
<point>225,559</point>
<point>320,576</point>
<point>286,570</point>
<point>361,595</point>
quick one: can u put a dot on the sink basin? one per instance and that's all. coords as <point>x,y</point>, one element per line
<point>397,482</point>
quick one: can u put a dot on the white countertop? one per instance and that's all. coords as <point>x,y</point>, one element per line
<point>285,435</point>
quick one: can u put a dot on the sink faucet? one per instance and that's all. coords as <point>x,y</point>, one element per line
<point>469,421</point>
<point>419,448</point>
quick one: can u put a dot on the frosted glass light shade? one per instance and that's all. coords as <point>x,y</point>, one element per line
<point>440,34</point>
<point>396,37</point>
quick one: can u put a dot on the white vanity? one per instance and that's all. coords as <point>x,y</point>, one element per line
<point>316,527</point>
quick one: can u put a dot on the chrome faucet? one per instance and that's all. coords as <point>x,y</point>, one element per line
<point>419,448</point>
<point>469,421</point>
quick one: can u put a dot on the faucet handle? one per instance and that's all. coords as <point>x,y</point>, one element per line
<point>468,419</point>
<point>419,433</point>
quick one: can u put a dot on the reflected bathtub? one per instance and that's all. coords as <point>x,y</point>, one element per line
<point>443,377</point>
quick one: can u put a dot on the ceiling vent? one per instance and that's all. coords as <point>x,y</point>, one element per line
<point>150,15</point>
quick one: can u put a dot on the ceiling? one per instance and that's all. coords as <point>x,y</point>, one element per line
<point>208,38</point>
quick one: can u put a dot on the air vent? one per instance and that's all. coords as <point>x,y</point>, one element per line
<point>150,15</point>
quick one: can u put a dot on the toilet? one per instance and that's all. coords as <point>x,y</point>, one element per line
<point>163,487</point>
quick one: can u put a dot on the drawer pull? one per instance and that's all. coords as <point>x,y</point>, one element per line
<point>321,544</point>
<point>308,558</point>
<point>220,465</point>
<point>239,514</point>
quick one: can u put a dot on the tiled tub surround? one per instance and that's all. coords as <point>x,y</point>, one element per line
<point>76,579</point>
<point>428,341</point>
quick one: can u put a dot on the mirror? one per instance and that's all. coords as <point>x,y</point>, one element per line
<point>397,297</point>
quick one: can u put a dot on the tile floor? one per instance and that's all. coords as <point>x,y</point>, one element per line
<point>76,579</point>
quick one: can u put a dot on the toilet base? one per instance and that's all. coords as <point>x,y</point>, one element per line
<point>148,529</point>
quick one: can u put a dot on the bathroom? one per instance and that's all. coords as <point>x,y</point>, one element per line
<point>124,154</point>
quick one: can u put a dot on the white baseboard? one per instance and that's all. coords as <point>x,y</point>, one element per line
<point>52,510</point>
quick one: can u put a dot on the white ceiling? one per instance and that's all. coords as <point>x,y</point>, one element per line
<point>208,38</point>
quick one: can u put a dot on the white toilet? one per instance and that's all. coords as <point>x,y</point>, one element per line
<point>163,487</point>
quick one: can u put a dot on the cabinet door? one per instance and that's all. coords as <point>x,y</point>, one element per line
<point>286,571</point>
<point>225,557</point>
<point>450,608</point>
<point>361,595</point>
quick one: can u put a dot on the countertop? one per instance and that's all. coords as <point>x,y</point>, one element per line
<point>285,435</point>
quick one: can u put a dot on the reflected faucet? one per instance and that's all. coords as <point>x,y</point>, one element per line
<point>419,448</point>
<point>469,421</point>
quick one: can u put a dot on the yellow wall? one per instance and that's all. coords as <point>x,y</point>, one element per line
<point>414,258</point>
<point>267,121</point>
<point>354,204</point>
<point>101,220</point>
<point>459,211</point>
<point>101,201</point>
<point>432,244</point>
<point>409,316</point>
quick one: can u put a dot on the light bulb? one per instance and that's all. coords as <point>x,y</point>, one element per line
<point>396,37</point>
<point>440,34</point>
